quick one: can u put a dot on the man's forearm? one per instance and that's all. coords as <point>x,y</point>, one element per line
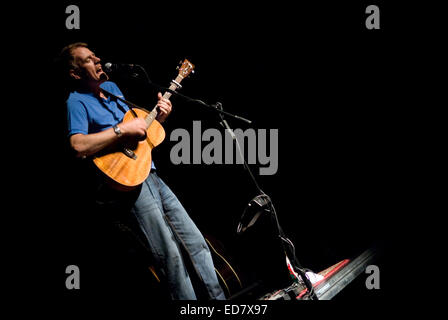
<point>89,144</point>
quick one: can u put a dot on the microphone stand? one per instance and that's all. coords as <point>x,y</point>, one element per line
<point>214,107</point>
<point>187,98</point>
<point>281,234</point>
<point>219,109</point>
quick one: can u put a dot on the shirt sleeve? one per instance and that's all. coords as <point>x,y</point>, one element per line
<point>77,118</point>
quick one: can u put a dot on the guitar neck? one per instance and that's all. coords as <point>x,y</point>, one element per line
<point>167,95</point>
<point>174,85</point>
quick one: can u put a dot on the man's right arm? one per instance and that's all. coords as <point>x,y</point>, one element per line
<point>89,144</point>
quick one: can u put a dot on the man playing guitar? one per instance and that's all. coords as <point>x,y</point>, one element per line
<point>95,123</point>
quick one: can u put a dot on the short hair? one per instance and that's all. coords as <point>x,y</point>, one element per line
<point>66,56</point>
<point>65,62</point>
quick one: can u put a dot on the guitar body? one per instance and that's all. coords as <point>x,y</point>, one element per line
<point>127,171</point>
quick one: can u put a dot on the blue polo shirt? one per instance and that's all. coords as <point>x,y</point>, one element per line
<point>87,113</point>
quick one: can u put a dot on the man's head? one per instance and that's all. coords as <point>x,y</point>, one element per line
<point>81,64</point>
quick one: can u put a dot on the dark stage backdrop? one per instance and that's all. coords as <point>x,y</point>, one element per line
<point>311,71</point>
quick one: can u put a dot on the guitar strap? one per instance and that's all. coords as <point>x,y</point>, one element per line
<point>130,104</point>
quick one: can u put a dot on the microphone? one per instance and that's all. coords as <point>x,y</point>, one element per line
<point>110,67</point>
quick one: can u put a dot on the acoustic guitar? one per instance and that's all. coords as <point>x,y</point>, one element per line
<point>129,165</point>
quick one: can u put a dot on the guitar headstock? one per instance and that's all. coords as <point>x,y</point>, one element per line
<point>185,68</point>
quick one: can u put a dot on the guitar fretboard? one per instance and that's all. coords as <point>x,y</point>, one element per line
<point>153,114</point>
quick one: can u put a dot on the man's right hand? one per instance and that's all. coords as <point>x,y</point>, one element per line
<point>135,128</point>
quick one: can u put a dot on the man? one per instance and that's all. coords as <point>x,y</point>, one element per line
<point>95,123</point>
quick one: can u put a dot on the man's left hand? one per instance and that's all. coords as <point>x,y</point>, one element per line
<point>164,107</point>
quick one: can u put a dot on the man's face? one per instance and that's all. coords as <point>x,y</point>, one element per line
<point>89,66</point>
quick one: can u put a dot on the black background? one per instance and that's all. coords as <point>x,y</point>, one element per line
<point>313,71</point>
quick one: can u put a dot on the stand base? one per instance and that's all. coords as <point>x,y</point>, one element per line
<point>336,278</point>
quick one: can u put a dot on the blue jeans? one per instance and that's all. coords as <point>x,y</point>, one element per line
<point>169,229</point>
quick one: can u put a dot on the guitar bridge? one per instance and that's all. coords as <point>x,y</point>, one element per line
<point>129,153</point>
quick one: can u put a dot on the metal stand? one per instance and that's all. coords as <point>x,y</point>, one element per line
<point>264,201</point>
